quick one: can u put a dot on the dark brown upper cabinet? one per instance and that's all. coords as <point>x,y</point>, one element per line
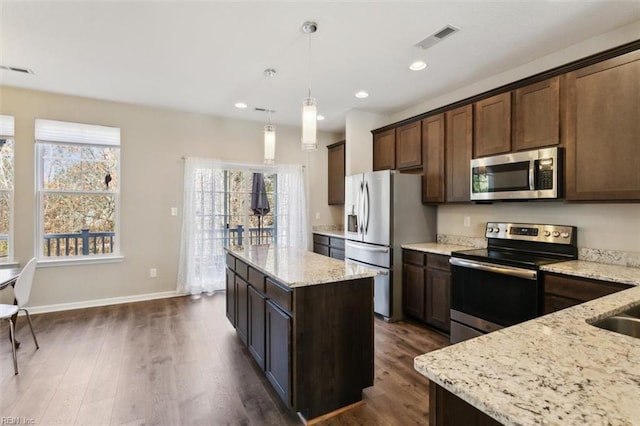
<point>492,131</point>
<point>459,137</point>
<point>336,173</point>
<point>409,146</point>
<point>433,159</point>
<point>602,106</point>
<point>537,115</point>
<point>384,150</point>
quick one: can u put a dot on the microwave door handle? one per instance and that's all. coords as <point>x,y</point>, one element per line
<point>532,175</point>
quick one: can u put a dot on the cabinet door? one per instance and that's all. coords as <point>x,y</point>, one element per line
<point>256,336</point>
<point>603,130</point>
<point>321,249</point>
<point>231,297</point>
<point>459,137</point>
<point>564,291</point>
<point>278,351</point>
<point>537,115</point>
<point>493,125</point>
<point>438,298</point>
<point>433,173</point>
<point>242,312</point>
<point>384,150</point>
<point>336,172</point>
<point>409,146</point>
<point>414,291</point>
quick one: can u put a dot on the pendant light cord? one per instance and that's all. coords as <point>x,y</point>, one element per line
<point>309,62</point>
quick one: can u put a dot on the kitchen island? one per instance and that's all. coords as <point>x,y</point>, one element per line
<point>557,369</point>
<point>307,320</point>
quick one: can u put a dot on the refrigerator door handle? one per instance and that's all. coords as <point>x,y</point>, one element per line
<point>361,209</point>
<point>368,204</point>
<point>375,249</point>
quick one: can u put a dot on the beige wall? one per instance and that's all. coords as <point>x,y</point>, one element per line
<point>153,144</point>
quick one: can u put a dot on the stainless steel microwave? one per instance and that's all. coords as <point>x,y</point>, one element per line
<point>526,175</point>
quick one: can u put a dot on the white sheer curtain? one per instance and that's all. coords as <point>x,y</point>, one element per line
<point>202,262</point>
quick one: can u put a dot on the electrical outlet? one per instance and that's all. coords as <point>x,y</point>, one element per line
<point>174,211</point>
<point>153,273</point>
<point>467,221</point>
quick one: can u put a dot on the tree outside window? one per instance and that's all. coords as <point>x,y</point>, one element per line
<point>78,194</point>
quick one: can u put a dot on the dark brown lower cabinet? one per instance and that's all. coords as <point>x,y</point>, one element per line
<point>446,409</point>
<point>256,336</point>
<point>231,296</point>
<point>426,280</point>
<point>242,308</point>
<point>328,246</point>
<point>562,291</point>
<point>315,343</point>
<point>278,350</point>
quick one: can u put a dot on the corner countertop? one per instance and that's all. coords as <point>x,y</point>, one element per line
<point>556,370</point>
<point>298,268</point>
<point>597,271</point>
<point>435,248</point>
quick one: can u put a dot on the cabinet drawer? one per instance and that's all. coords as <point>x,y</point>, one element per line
<point>438,261</point>
<point>321,249</point>
<point>256,279</point>
<point>320,239</point>
<point>336,253</point>
<point>279,296</point>
<point>579,289</point>
<point>337,243</point>
<point>231,262</point>
<point>413,257</point>
<point>242,269</point>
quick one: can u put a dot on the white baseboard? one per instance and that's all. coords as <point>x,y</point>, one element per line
<point>101,302</point>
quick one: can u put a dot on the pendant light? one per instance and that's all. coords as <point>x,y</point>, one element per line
<point>269,129</point>
<point>309,104</point>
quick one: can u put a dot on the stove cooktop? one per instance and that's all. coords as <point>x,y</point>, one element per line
<point>509,257</point>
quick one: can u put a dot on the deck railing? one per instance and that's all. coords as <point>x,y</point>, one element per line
<point>238,236</point>
<point>78,243</point>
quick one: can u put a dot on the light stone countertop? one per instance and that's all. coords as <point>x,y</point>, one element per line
<point>298,268</point>
<point>339,234</point>
<point>553,370</point>
<point>597,271</point>
<point>436,248</point>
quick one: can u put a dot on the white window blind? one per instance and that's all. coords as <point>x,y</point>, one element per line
<point>63,131</point>
<point>7,126</point>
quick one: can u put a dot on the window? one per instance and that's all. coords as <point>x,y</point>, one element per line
<point>6,186</point>
<point>78,186</point>
<point>226,204</point>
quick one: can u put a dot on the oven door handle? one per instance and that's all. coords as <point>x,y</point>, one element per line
<point>527,274</point>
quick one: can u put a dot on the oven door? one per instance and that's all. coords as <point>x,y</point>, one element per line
<point>486,296</point>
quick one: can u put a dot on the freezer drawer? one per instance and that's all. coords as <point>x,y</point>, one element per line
<point>382,289</point>
<point>369,253</point>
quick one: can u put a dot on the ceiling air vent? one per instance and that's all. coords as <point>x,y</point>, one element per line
<point>17,69</point>
<point>437,37</point>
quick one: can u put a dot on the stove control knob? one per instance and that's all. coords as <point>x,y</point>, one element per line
<point>547,233</point>
<point>565,235</point>
<point>556,234</point>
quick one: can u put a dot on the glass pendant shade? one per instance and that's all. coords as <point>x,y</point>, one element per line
<point>269,144</point>
<point>309,123</point>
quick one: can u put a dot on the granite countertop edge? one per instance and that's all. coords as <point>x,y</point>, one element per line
<point>555,369</point>
<point>299,268</point>
<point>435,248</point>
<point>335,234</point>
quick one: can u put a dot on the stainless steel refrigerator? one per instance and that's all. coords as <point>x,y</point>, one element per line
<point>384,210</point>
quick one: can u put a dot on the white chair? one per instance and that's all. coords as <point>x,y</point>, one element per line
<point>21,292</point>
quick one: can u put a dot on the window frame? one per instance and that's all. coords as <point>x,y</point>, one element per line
<point>7,131</point>
<point>41,193</point>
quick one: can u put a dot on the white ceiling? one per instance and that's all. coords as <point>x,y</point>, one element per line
<point>205,56</point>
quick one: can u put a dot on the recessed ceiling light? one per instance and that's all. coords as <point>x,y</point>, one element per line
<point>362,94</point>
<point>417,66</point>
<point>320,117</point>
<point>240,105</point>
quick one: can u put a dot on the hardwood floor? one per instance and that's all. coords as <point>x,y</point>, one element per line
<point>178,361</point>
